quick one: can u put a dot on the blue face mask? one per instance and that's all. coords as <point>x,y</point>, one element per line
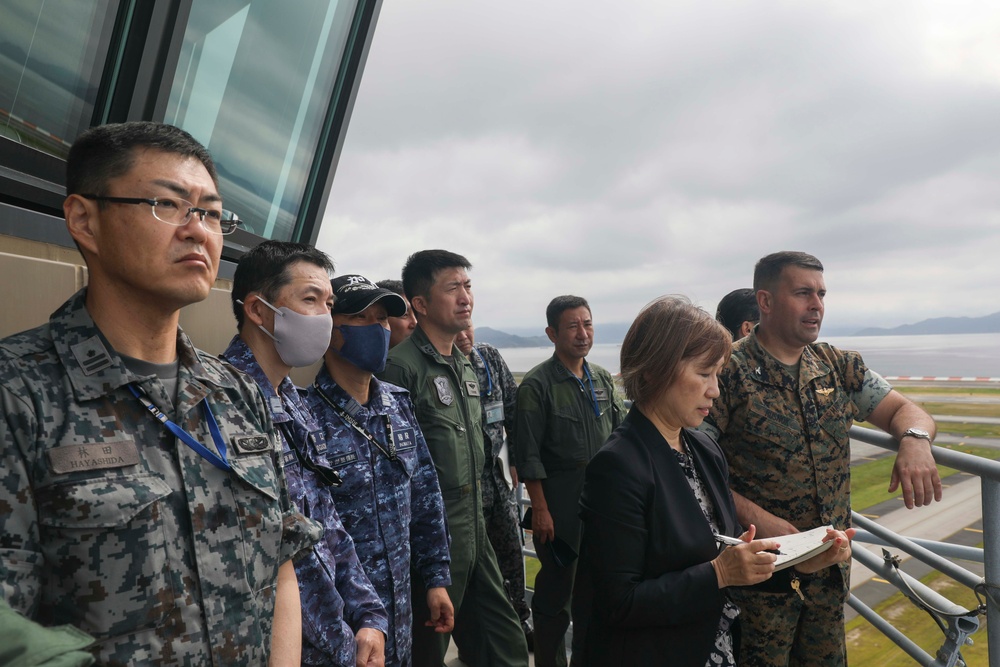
<point>365,346</point>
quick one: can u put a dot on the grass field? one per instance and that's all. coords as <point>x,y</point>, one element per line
<point>870,481</point>
<point>868,647</point>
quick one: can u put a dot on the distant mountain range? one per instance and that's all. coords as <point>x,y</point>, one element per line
<point>615,332</point>
<point>503,339</point>
<point>603,333</point>
<point>941,325</point>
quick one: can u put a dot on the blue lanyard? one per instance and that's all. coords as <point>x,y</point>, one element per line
<point>489,378</point>
<point>593,394</point>
<point>219,460</point>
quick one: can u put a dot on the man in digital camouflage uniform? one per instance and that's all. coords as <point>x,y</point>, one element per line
<point>566,409</point>
<point>281,299</point>
<point>167,546</point>
<point>390,501</point>
<point>785,406</point>
<point>498,398</point>
<point>445,396</point>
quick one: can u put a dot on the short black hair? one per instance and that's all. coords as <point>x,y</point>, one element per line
<point>264,269</point>
<point>560,304</point>
<point>737,307</point>
<point>421,269</point>
<point>106,152</point>
<point>395,286</point>
<point>768,270</point>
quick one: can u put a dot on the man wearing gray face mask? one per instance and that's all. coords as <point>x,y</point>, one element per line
<point>282,300</point>
<point>390,501</point>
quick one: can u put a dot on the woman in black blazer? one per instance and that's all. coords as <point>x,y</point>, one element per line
<point>654,498</point>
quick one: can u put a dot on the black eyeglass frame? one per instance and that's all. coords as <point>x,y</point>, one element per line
<point>227,225</point>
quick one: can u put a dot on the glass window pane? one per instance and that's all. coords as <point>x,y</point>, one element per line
<point>52,56</point>
<point>254,83</point>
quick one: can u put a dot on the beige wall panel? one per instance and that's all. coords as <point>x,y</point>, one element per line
<point>33,289</point>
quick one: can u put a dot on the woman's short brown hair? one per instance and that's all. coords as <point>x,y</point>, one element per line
<point>666,333</point>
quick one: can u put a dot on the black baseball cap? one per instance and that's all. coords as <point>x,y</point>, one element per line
<point>353,293</point>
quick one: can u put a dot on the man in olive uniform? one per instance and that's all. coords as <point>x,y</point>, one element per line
<point>785,406</point>
<point>498,397</point>
<point>445,396</point>
<point>566,409</point>
<point>142,498</point>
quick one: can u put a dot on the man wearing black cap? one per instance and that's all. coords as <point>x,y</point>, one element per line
<point>390,500</point>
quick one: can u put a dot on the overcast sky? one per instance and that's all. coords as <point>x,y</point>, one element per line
<point>625,150</point>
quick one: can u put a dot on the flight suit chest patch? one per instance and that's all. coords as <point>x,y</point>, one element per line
<point>443,388</point>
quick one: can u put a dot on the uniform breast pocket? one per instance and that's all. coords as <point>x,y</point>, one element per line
<point>569,433</point>
<point>107,559</point>
<point>260,515</point>
<point>835,414</point>
<point>406,462</point>
<point>768,425</point>
<point>353,468</point>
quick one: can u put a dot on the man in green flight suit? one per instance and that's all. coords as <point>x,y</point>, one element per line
<point>445,394</point>
<point>566,409</point>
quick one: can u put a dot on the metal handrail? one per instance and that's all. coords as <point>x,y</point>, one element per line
<point>963,623</point>
<point>959,623</point>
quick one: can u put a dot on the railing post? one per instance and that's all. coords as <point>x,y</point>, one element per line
<point>991,559</point>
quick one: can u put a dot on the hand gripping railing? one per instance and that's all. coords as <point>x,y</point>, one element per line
<point>956,623</point>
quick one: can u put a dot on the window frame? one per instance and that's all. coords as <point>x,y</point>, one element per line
<point>143,53</point>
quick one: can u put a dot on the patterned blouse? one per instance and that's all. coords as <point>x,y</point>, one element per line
<point>722,653</point>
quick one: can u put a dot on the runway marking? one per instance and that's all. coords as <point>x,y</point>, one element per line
<point>880,580</point>
<point>871,516</point>
<point>974,530</point>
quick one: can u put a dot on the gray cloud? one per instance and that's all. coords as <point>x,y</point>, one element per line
<point>664,147</point>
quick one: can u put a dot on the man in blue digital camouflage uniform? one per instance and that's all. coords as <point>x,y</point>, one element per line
<point>445,396</point>
<point>390,501</point>
<point>281,299</point>
<point>785,406</point>
<point>141,494</point>
<point>498,398</point>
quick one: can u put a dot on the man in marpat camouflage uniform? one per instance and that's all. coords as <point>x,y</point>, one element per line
<point>445,397</point>
<point>142,498</point>
<point>498,398</point>
<point>785,406</point>
<point>390,500</point>
<point>281,298</point>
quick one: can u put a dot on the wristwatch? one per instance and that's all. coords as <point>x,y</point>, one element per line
<point>917,433</point>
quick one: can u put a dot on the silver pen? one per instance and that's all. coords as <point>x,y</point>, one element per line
<point>731,541</point>
<point>735,542</point>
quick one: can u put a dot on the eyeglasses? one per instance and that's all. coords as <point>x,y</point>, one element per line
<point>178,212</point>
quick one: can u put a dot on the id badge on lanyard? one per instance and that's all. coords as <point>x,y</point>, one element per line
<point>494,412</point>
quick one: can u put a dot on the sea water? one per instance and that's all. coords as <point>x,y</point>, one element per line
<point>959,355</point>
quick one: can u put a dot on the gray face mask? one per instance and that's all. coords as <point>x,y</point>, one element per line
<point>300,340</point>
